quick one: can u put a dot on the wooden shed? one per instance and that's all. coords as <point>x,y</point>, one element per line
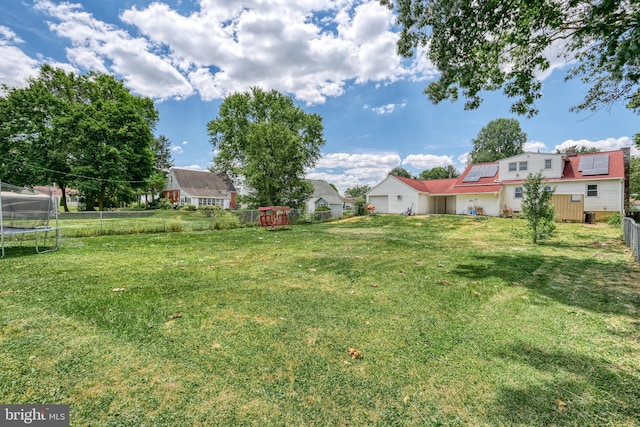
<point>569,207</point>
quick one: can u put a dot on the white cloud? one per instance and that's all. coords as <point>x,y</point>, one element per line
<point>176,149</point>
<point>96,45</point>
<point>463,158</point>
<point>427,161</point>
<point>309,48</point>
<point>421,67</point>
<point>385,109</point>
<point>192,167</point>
<point>347,170</point>
<point>15,65</point>
<point>535,147</point>
<point>609,144</point>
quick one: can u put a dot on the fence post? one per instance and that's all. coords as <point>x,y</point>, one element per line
<point>636,235</point>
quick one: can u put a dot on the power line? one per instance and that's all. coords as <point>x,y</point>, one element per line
<point>91,178</point>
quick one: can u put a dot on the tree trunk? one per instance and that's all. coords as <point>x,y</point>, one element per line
<point>103,191</point>
<point>63,190</point>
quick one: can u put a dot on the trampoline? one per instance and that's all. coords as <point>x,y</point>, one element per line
<point>23,212</point>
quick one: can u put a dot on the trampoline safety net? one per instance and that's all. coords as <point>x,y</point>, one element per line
<point>24,211</point>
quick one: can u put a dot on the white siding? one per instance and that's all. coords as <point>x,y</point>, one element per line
<point>610,194</point>
<point>535,163</point>
<point>490,203</point>
<point>172,182</point>
<point>423,204</point>
<point>398,197</point>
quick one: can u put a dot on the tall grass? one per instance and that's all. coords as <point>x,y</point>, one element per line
<point>381,320</point>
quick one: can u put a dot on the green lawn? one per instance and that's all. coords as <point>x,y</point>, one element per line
<point>457,322</point>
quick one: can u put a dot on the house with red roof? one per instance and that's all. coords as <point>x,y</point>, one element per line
<point>591,186</point>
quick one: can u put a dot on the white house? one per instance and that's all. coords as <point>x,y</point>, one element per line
<point>583,184</point>
<point>199,188</point>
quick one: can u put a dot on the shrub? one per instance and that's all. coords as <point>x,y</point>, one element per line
<point>322,213</point>
<point>190,208</point>
<point>615,220</point>
<point>210,210</point>
<point>226,221</point>
<point>160,203</point>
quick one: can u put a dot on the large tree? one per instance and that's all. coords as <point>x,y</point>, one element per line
<point>267,139</point>
<point>499,139</point>
<point>439,172</point>
<point>486,45</point>
<point>34,130</point>
<point>113,139</point>
<point>84,131</point>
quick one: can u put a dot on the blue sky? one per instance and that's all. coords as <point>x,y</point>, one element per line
<point>333,57</point>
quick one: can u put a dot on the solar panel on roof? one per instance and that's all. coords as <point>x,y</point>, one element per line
<point>594,165</point>
<point>480,171</point>
<point>490,171</point>
<point>586,163</point>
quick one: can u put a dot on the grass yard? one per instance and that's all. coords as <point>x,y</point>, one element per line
<point>381,320</point>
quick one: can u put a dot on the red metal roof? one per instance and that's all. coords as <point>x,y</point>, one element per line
<point>416,184</point>
<point>451,186</point>
<point>616,166</point>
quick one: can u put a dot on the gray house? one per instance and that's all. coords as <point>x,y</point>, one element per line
<point>325,195</point>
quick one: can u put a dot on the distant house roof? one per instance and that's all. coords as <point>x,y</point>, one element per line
<point>322,190</point>
<point>203,183</point>
<point>55,190</point>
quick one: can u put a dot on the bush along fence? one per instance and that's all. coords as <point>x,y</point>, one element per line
<point>631,232</point>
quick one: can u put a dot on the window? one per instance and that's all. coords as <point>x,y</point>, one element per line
<point>518,193</point>
<point>513,166</point>
<point>592,190</point>
<point>548,188</point>
<point>547,163</point>
<point>210,202</point>
<point>522,166</point>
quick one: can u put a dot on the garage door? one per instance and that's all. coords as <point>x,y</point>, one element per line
<point>381,203</point>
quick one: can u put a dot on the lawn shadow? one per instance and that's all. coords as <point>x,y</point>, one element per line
<point>583,390</point>
<point>594,283</point>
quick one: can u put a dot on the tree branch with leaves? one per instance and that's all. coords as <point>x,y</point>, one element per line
<point>488,45</point>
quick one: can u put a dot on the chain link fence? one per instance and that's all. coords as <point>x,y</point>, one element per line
<point>78,224</point>
<point>632,236</point>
